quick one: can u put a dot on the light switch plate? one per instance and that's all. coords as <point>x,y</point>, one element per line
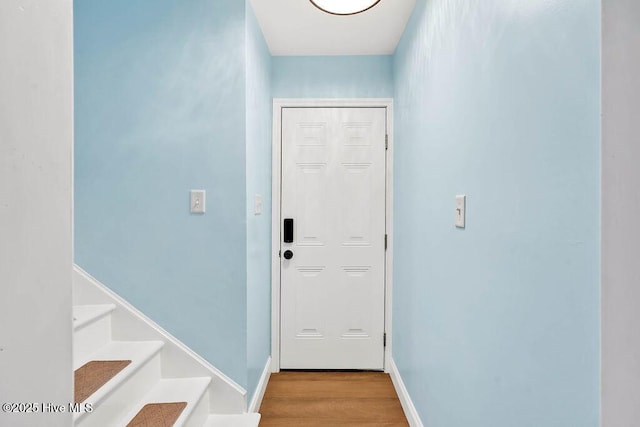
<point>197,201</point>
<point>257,210</point>
<point>461,202</point>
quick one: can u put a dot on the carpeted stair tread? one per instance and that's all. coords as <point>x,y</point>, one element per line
<point>94,374</point>
<point>158,415</point>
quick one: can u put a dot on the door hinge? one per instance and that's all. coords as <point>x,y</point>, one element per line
<point>280,254</point>
<point>386,142</point>
<point>385,242</point>
<point>384,339</point>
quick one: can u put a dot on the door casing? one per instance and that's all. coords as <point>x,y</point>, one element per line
<point>278,105</point>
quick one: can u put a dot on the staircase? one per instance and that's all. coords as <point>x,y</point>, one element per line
<point>130,372</point>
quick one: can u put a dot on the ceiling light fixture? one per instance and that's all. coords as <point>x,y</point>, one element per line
<point>344,7</point>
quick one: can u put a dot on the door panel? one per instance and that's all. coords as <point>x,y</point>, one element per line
<point>333,186</point>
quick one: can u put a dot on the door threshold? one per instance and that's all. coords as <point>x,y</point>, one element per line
<point>331,370</point>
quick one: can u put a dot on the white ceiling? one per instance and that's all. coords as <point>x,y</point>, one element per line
<point>297,27</point>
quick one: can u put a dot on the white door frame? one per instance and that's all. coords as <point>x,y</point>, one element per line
<point>278,105</point>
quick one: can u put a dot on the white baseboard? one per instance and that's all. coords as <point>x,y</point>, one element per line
<point>405,400</point>
<point>256,400</point>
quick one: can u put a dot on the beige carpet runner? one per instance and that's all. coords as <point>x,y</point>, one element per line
<point>93,375</point>
<point>158,415</point>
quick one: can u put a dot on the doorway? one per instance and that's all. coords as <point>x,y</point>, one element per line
<point>331,224</point>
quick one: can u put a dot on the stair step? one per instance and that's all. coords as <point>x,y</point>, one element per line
<point>86,314</point>
<point>91,329</point>
<point>106,400</point>
<point>240,420</point>
<point>93,375</point>
<point>158,414</point>
<point>193,391</point>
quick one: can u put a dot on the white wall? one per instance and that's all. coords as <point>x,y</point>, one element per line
<point>620,211</point>
<point>36,139</point>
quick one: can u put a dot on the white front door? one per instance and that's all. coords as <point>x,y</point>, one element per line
<point>333,226</point>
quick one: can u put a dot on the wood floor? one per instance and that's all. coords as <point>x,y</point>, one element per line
<point>331,399</point>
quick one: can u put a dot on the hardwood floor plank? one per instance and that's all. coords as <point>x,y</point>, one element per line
<point>328,389</point>
<point>356,409</point>
<point>338,399</point>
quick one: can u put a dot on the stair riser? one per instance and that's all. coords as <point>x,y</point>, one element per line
<point>90,338</point>
<point>125,397</point>
<point>244,420</point>
<point>200,412</point>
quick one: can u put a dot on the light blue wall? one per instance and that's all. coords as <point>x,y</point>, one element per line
<point>497,325</point>
<point>259,118</point>
<point>159,110</point>
<point>332,77</point>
